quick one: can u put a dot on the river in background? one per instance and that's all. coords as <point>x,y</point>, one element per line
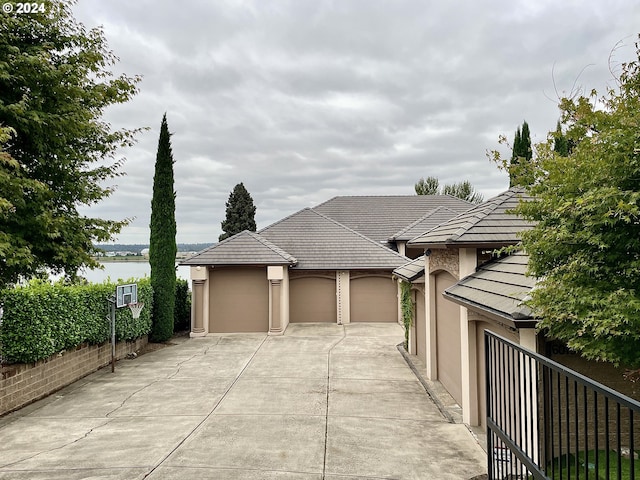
<point>125,270</point>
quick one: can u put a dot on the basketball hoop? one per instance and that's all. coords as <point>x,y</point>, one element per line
<point>135,308</point>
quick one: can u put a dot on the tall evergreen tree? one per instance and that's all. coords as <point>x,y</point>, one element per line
<point>162,245</point>
<point>560,142</point>
<point>241,213</point>
<point>521,157</point>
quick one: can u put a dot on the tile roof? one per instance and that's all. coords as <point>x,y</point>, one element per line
<point>380,217</point>
<point>497,287</point>
<point>425,223</point>
<point>244,248</point>
<point>487,223</point>
<point>319,242</point>
<point>412,270</point>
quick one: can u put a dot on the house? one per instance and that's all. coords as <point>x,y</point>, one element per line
<point>329,263</point>
<point>493,295</point>
<point>448,336</point>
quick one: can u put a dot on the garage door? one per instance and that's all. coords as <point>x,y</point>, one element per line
<point>238,300</point>
<point>373,299</point>
<point>448,338</point>
<point>312,299</point>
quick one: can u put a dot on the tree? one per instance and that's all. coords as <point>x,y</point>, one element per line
<point>54,86</point>
<point>585,248</point>
<point>427,186</point>
<point>162,244</point>
<point>15,190</point>
<point>521,156</point>
<point>560,142</point>
<point>463,190</point>
<point>241,213</point>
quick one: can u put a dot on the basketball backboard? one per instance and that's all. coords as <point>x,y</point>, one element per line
<point>126,294</point>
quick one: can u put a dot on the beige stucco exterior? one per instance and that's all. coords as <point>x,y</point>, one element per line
<point>267,298</point>
<point>452,353</point>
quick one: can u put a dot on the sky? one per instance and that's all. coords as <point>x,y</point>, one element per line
<point>303,100</point>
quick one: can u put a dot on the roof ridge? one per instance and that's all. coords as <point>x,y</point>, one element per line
<point>484,209</point>
<point>272,246</point>
<point>357,233</point>
<point>282,220</point>
<point>416,222</point>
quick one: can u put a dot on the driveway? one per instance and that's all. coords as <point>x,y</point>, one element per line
<point>322,401</point>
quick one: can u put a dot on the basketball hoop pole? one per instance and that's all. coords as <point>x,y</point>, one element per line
<point>112,314</point>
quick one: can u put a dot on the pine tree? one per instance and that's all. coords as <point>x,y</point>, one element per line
<point>162,245</point>
<point>240,214</point>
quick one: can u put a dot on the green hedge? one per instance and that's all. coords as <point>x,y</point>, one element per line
<point>182,308</point>
<point>41,319</point>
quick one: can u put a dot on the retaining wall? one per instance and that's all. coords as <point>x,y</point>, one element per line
<point>21,384</point>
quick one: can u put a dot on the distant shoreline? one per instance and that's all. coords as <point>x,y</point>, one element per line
<point>122,259</point>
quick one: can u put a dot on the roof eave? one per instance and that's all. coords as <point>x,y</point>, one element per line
<point>463,244</point>
<point>497,315</point>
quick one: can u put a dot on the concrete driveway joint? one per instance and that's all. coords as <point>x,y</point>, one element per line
<point>323,401</point>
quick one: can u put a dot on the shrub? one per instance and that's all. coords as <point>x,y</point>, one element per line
<point>41,319</point>
<point>182,308</point>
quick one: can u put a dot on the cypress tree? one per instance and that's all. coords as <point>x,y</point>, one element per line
<point>240,214</point>
<point>560,142</point>
<point>162,245</point>
<point>521,155</point>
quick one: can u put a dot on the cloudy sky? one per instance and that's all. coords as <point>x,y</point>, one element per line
<point>303,100</point>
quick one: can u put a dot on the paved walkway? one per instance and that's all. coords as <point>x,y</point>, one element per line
<point>322,401</point>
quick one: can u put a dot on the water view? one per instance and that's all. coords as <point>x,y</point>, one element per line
<point>126,270</point>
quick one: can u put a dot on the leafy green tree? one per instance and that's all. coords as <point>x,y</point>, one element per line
<point>162,244</point>
<point>15,190</point>
<point>463,190</point>
<point>241,213</point>
<point>427,186</point>
<point>54,86</point>
<point>585,248</point>
<point>521,156</point>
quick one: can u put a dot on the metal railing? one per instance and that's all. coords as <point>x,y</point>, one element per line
<point>546,421</point>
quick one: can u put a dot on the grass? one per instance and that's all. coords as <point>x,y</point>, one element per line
<point>568,466</point>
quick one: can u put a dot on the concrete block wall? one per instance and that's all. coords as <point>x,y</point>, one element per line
<point>21,384</point>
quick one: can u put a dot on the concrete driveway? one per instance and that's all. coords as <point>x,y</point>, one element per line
<point>322,401</point>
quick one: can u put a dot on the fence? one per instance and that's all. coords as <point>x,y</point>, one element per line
<point>545,421</point>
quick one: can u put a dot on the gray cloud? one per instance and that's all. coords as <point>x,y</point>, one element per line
<point>302,100</point>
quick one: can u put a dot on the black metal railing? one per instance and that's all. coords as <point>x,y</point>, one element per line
<point>546,421</point>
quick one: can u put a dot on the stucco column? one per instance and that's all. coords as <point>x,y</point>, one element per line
<point>467,265</point>
<point>529,392</point>
<point>430,324</point>
<point>276,323</point>
<point>198,304</point>
<point>343,298</point>
<point>275,275</point>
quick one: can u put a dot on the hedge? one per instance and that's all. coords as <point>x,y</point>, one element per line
<point>41,319</point>
<point>182,309</point>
